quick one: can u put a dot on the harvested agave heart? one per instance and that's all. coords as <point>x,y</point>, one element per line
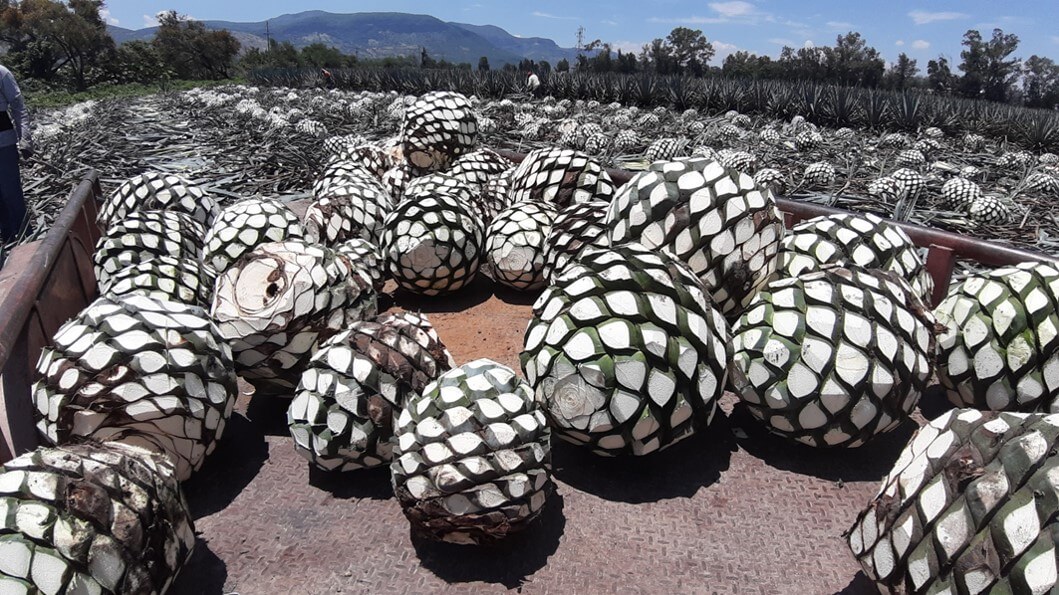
<point>277,303</point>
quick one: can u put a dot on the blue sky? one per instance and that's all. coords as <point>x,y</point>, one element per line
<point>922,29</point>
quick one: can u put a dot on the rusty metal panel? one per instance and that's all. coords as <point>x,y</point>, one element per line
<point>42,285</point>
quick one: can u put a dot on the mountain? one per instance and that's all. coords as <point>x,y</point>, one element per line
<point>534,48</point>
<point>380,34</point>
<point>121,34</point>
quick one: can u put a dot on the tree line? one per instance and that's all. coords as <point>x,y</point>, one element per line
<point>67,44</point>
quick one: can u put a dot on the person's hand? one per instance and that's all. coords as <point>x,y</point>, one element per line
<point>26,150</point>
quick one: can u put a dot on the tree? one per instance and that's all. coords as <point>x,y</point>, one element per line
<point>602,62</point>
<point>743,64</point>
<point>138,62</point>
<point>902,72</point>
<point>47,40</point>
<point>804,64</point>
<point>657,55</point>
<point>191,51</point>
<point>988,69</point>
<point>689,50</point>
<point>319,55</point>
<point>625,63</point>
<point>940,77</point>
<point>682,51</point>
<point>483,64</point>
<point>853,62</point>
<point>562,65</point>
<point>1040,82</point>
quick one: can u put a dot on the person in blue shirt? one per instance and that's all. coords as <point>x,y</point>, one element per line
<point>15,139</point>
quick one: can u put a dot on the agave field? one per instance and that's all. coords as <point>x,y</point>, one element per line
<point>321,311</point>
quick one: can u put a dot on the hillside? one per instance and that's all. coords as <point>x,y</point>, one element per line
<point>379,34</point>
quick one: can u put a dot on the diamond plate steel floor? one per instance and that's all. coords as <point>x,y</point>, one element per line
<point>733,510</point>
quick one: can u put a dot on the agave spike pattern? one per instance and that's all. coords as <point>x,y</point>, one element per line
<point>959,193</point>
<point>969,507</point>
<point>561,177</point>
<point>277,303</point>
<point>163,277</point>
<point>154,191</point>
<point>341,171</point>
<point>514,245</point>
<point>91,518</point>
<point>833,357</point>
<point>438,183</point>
<point>243,226</point>
<point>1000,345</point>
<point>478,167</point>
<point>144,235</point>
<point>494,197</point>
<point>432,245</point>
<point>990,210</point>
<point>718,221</point>
<point>367,257</point>
<point>138,370</point>
<point>342,415</point>
<point>575,228</point>
<point>438,127</point>
<point>626,352</point>
<point>865,241</point>
<point>473,458</point>
<point>374,158</point>
<point>352,209</point>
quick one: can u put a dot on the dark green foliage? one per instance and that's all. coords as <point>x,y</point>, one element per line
<point>989,71</point>
<point>191,51</point>
<point>57,43</point>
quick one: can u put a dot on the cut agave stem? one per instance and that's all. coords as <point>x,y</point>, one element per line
<point>155,191</point>
<point>342,415</point>
<point>280,301</point>
<point>514,245</point>
<point>717,220</point>
<point>472,462</point>
<point>626,351</point>
<point>138,370</point>
<point>92,518</point>
<point>969,507</point>
<point>432,245</point>
<point>833,357</point>
<point>999,348</point>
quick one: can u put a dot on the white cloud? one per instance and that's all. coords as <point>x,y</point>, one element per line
<point>627,47</point>
<point>922,17</point>
<point>723,50</point>
<point>736,8</point>
<point>781,41</point>
<point>150,20</point>
<point>609,22</point>
<point>1055,38</point>
<point>545,15</point>
<point>921,44</point>
<point>690,20</point>
<point>842,25</point>
<point>105,15</point>
<point>735,11</point>
<point>899,42</point>
<point>808,44</point>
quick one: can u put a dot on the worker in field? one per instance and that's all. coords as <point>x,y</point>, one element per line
<point>15,139</point>
<point>329,79</point>
<point>533,82</point>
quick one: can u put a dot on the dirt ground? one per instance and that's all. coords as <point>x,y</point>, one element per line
<point>732,510</point>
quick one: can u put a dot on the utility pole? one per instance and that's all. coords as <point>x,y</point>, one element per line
<point>580,37</point>
<point>268,38</point>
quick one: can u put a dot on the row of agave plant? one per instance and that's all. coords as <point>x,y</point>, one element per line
<point>822,104</point>
<point>658,295</point>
